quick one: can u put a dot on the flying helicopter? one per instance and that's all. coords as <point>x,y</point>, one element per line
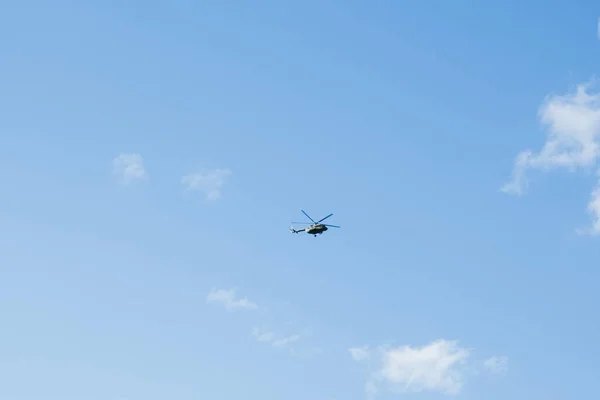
<point>316,228</point>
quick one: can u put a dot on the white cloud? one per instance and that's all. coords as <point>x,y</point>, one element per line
<point>435,367</point>
<point>359,353</point>
<point>209,182</point>
<point>432,368</point>
<point>593,209</point>
<point>263,336</point>
<point>286,341</point>
<point>129,166</point>
<point>573,125</point>
<point>229,300</point>
<point>272,338</point>
<point>572,122</point>
<point>496,365</point>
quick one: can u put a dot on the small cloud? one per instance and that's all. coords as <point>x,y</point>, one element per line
<point>593,209</point>
<point>286,341</point>
<point>573,130</point>
<point>429,368</point>
<point>496,365</point>
<point>209,182</point>
<point>359,353</point>
<point>572,123</point>
<point>435,367</point>
<point>229,300</point>
<point>272,338</point>
<point>263,336</point>
<point>129,167</point>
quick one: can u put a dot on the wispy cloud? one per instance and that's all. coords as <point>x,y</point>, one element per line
<point>360,353</point>
<point>274,339</point>
<point>209,182</point>
<point>229,299</point>
<point>593,208</point>
<point>572,123</point>
<point>496,365</point>
<point>263,336</point>
<point>436,367</point>
<point>286,340</point>
<point>283,335</point>
<point>129,167</point>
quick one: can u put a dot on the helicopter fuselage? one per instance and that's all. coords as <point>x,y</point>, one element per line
<point>316,229</point>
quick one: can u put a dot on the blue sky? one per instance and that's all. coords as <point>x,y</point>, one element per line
<point>153,155</point>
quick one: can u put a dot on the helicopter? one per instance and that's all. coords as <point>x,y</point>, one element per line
<point>316,228</point>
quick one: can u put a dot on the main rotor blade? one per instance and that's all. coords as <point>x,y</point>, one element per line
<point>308,216</point>
<point>323,219</point>
<point>332,226</point>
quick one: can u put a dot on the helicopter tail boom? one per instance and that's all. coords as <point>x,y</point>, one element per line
<point>296,230</point>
